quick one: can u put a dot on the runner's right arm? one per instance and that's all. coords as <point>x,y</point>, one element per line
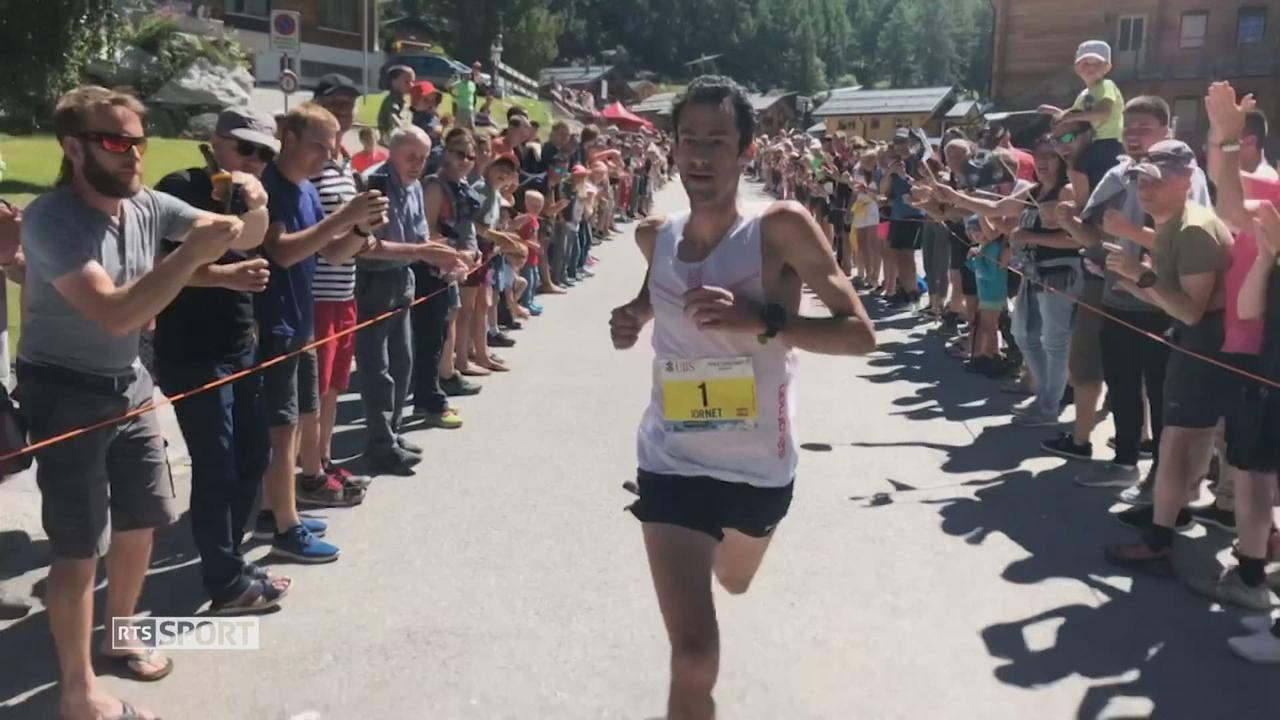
<point>628,320</point>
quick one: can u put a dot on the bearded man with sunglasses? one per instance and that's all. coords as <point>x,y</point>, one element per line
<point>93,281</point>
<point>206,334</point>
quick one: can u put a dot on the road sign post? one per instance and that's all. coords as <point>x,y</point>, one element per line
<point>288,83</point>
<point>286,32</point>
<point>286,39</point>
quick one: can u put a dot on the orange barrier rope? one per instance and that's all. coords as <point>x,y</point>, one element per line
<point>151,405</point>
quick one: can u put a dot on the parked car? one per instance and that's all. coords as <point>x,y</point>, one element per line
<point>440,70</point>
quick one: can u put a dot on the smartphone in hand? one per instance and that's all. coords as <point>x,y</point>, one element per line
<point>379,182</point>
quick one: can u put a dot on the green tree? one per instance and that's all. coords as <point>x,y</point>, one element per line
<point>898,45</point>
<point>937,58</point>
<point>45,52</point>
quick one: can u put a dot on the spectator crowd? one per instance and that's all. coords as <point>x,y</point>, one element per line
<point>412,261</point>
<point>1107,266</point>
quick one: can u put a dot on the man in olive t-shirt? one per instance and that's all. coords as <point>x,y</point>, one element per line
<point>1185,279</point>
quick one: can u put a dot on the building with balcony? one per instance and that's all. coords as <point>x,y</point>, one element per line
<point>1170,48</point>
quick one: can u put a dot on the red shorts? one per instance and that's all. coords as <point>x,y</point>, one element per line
<point>334,357</point>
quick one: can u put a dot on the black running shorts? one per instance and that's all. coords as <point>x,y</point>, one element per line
<point>709,505</point>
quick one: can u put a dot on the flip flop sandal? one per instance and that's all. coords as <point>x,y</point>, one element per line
<point>126,663</point>
<point>259,597</point>
<point>476,373</point>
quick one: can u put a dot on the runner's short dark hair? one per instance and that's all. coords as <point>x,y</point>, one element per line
<point>1255,126</point>
<point>516,110</point>
<point>1151,106</point>
<point>714,90</point>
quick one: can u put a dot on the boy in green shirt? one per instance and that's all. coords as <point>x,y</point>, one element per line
<point>1100,104</point>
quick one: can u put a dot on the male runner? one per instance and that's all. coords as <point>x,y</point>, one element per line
<point>717,449</point>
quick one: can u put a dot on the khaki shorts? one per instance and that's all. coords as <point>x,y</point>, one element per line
<point>1085,362</point>
<point>114,478</point>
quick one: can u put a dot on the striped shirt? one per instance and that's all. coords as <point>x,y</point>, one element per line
<point>336,185</point>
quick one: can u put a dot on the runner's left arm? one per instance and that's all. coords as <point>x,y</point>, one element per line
<point>790,230</point>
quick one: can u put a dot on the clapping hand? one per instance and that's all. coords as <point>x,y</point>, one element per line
<point>1268,220</point>
<point>1124,264</point>
<point>1226,116</point>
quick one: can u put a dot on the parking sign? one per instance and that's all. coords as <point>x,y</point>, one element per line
<point>286,31</point>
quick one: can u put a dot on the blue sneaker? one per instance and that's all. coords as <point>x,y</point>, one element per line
<point>301,546</point>
<point>535,309</point>
<point>264,528</point>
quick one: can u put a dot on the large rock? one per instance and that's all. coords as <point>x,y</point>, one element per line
<point>133,66</point>
<point>201,126</point>
<point>203,84</point>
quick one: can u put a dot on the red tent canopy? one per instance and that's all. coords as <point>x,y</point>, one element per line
<point>619,115</point>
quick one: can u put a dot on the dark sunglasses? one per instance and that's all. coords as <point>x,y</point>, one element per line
<point>248,149</point>
<point>115,143</point>
<point>1066,138</point>
<point>464,155</point>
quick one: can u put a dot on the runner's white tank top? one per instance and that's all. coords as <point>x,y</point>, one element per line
<point>764,456</point>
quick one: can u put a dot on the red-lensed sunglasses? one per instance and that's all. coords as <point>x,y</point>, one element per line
<point>116,143</point>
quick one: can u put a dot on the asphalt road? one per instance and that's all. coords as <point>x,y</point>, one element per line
<point>931,567</point>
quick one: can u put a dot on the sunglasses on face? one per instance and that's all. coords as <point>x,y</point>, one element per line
<point>1066,138</point>
<point>248,149</point>
<point>462,154</point>
<point>115,143</point>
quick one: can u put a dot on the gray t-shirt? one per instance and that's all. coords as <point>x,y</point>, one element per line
<point>61,234</point>
<point>1117,190</point>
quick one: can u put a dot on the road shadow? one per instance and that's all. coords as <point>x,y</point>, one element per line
<point>28,683</point>
<point>1150,647</point>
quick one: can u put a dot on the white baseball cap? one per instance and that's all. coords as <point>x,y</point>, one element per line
<point>1098,49</point>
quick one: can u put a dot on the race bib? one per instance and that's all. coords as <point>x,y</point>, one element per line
<point>708,394</point>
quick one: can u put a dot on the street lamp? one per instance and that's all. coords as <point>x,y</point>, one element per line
<point>495,55</point>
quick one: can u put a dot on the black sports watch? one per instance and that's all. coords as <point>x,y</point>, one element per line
<point>1146,280</point>
<point>775,321</point>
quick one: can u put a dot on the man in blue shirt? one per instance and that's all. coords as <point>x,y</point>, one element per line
<point>298,231</point>
<point>905,221</point>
